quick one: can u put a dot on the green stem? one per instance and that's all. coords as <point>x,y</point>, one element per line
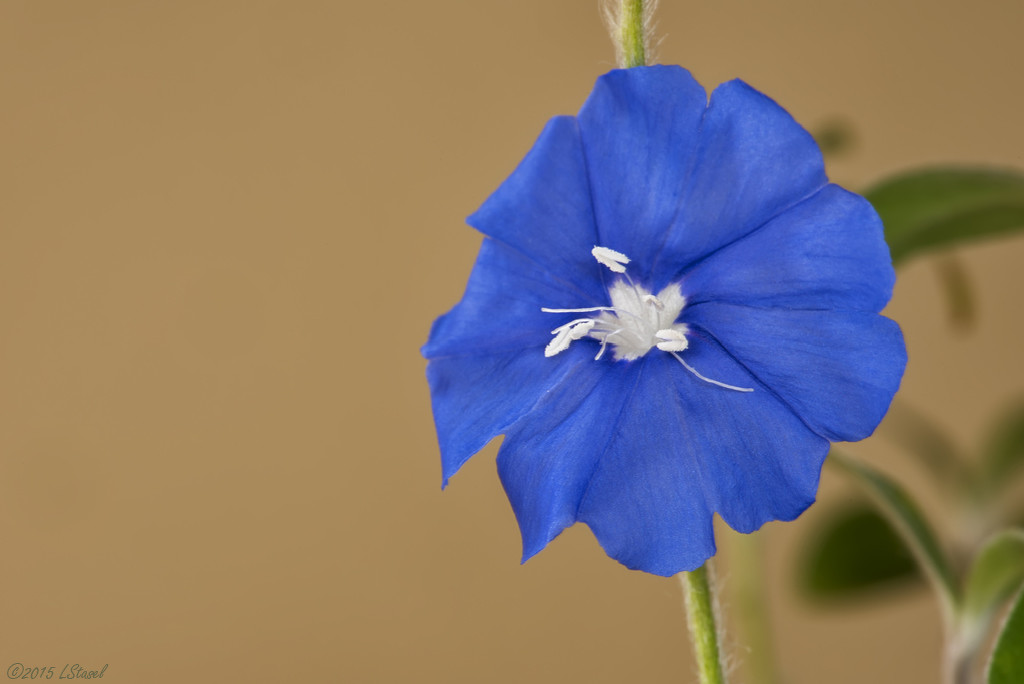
<point>700,614</point>
<point>632,33</point>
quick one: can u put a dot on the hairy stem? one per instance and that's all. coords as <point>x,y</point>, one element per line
<point>700,613</point>
<point>631,33</point>
<point>630,23</point>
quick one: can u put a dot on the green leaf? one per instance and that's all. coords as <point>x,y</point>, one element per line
<point>907,519</point>
<point>856,551</point>
<point>945,206</point>
<point>956,284</point>
<point>995,575</point>
<point>1004,450</point>
<point>1007,663</point>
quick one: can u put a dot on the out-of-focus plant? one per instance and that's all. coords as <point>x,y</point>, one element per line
<point>976,566</point>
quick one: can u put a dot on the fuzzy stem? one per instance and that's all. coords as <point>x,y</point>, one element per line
<point>631,23</point>
<point>632,33</point>
<point>700,615</point>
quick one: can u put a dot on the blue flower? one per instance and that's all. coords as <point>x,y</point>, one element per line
<point>672,314</point>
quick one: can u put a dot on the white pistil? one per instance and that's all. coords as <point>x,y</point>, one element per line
<point>637,320</point>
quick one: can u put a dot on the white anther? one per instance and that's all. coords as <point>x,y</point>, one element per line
<point>654,301</point>
<point>570,324</point>
<point>674,340</point>
<point>615,261</point>
<point>559,343</point>
<point>580,330</point>
<point>565,335</point>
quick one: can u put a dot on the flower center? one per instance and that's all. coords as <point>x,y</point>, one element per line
<point>636,322</point>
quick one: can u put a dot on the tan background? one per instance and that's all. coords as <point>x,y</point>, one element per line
<point>224,230</point>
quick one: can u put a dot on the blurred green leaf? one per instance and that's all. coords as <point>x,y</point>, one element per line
<point>956,285</point>
<point>907,519</point>
<point>916,433</point>
<point>995,575</point>
<point>1004,450</point>
<point>944,206</point>
<point>854,552</point>
<point>1007,663</point>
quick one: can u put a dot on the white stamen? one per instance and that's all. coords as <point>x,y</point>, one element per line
<point>651,299</point>
<point>604,343</point>
<point>674,340</point>
<point>580,331</point>
<point>559,343</point>
<point>638,320</point>
<point>587,310</point>
<point>617,310</point>
<point>713,382</point>
<point>615,261</point>
<point>569,325</point>
<point>567,334</point>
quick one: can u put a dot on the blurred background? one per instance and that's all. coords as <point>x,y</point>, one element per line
<point>225,228</point>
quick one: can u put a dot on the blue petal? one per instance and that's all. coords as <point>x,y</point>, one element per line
<point>487,365</point>
<point>649,501</point>
<point>639,128</point>
<point>547,457</point>
<point>645,452</point>
<point>837,370</point>
<point>753,162</point>
<point>763,461</point>
<point>685,448</point>
<point>543,210</point>
<point>827,252</point>
<point>476,398</point>
<point>501,308</point>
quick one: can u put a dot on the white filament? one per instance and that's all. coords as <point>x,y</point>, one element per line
<point>713,382</point>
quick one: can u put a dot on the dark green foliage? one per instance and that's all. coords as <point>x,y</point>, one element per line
<point>856,551</point>
<point>943,207</point>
